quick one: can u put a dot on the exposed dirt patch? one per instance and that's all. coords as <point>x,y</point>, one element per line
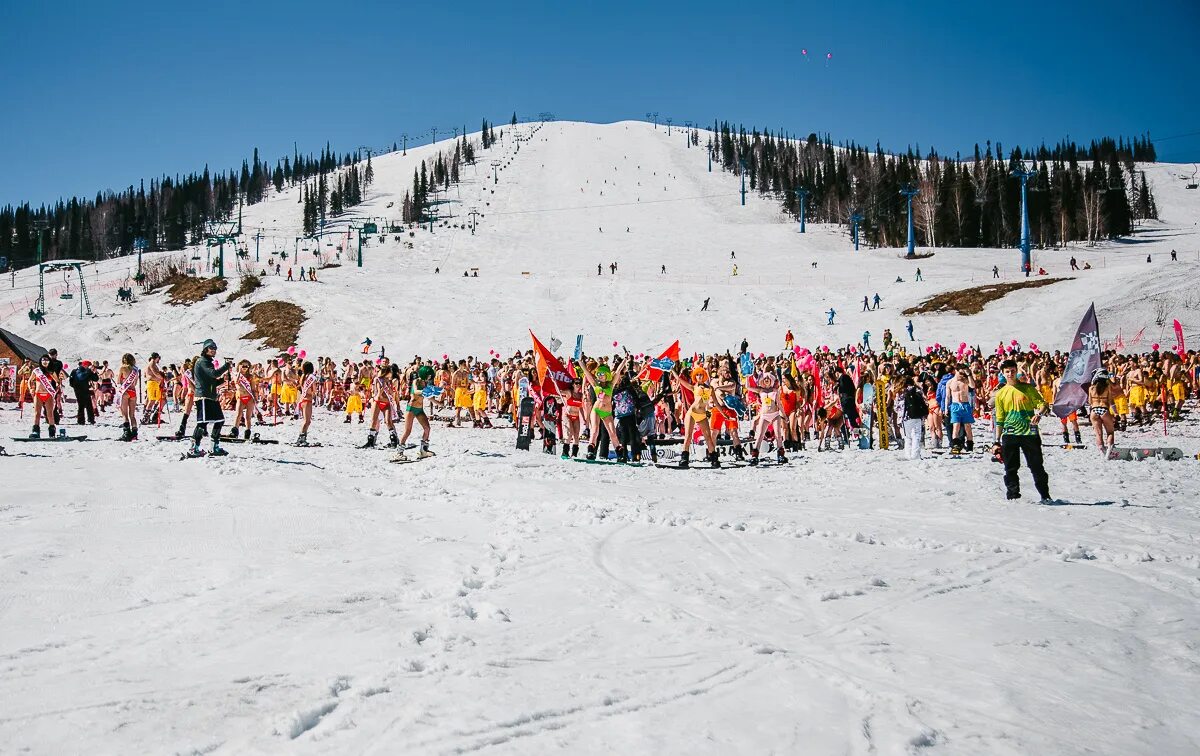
<point>186,290</point>
<point>972,301</point>
<point>249,283</point>
<point>276,323</point>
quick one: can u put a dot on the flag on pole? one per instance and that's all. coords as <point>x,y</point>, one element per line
<point>663,364</point>
<point>552,376</point>
<point>1179,348</point>
<point>1081,365</point>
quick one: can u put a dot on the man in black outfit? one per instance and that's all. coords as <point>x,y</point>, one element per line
<point>56,374</point>
<point>847,396</point>
<point>82,378</point>
<point>208,410</point>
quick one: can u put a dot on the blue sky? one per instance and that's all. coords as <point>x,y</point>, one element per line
<point>100,95</point>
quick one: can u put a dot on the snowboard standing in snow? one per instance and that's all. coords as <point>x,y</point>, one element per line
<point>525,424</point>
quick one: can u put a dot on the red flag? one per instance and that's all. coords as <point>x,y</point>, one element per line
<point>552,376</point>
<point>653,372</point>
<point>1179,347</point>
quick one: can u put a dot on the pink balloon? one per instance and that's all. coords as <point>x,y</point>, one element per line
<point>1152,346</point>
<point>614,343</point>
<point>302,353</point>
<point>1014,342</point>
<point>937,345</point>
<point>928,350</point>
<point>66,366</point>
<point>280,362</point>
<point>825,349</point>
<point>853,349</point>
<point>445,356</point>
<point>962,345</point>
<point>291,350</point>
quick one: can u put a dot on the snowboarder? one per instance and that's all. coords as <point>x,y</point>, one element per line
<point>919,275</point>
<point>366,345</point>
<point>705,307</point>
<point>832,313</point>
<point>995,271</point>
<point>877,301</point>
<point>867,340</point>
<point>909,328</point>
<point>866,303</point>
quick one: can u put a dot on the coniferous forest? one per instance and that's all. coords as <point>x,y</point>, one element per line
<point>1079,194</point>
<point>172,212</point>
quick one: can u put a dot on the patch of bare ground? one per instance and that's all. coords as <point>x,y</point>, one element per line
<point>276,323</point>
<point>972,301</point>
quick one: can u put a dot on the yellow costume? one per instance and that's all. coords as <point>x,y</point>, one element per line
<point>481,400</point>
<point>354,404</point>
<point>462,398</point>
<point>1178,391</point>
<point>1137,396</point>
<point>153,391</point>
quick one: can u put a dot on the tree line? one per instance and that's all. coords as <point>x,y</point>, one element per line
<point>173,212</point>
<point>1078,193</point>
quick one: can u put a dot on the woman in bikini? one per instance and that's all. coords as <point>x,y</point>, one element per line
<point>1101,393</point>
<point>127,390</point>
<point>697,384</point>
<point>770,414</point>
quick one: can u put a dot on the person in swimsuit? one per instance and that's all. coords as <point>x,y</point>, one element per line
<point>572,410</point>
<point>155,398</point>
<point>770,414</point>
<point>697,415</point>
<point>419,381</point>
<point>308,392</point>
<point>44,394</point>
<point>383,404</point>
<point>602,379</point>
<point>1100,410</point>
<point>127,390</point>
<point>187,389</point>
<point>243,406</point>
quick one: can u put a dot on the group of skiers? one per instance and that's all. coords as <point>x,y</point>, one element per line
<point>631,407</point>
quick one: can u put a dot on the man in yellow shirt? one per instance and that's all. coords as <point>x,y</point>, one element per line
<point>1019,407</point>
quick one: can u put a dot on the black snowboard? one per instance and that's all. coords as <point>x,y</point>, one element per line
<point>525,424</point>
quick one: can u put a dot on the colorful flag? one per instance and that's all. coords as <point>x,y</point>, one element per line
<point>663,364</point>
<point>1179,348</point>
<point>1081,365</point>
<point>552,376</point>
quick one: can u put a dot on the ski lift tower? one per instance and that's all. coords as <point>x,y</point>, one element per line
<point>85,305</point>
<point>220,232</point>
<point>495,174</point>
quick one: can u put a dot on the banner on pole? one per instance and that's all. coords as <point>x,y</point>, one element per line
<point>1081,365</point>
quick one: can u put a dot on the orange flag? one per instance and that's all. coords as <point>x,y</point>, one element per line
<point>549,367</point>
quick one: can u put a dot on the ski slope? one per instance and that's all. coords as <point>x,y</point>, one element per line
<point>539,241</point>
<point>323,601</point>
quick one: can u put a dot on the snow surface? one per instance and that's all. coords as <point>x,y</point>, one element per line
<point>286,600</point>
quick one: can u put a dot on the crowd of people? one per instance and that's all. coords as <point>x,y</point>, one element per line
<point>627,408</point>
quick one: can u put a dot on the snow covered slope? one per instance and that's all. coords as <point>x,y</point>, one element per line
<point>321,600</point>
<point>573,196</point>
